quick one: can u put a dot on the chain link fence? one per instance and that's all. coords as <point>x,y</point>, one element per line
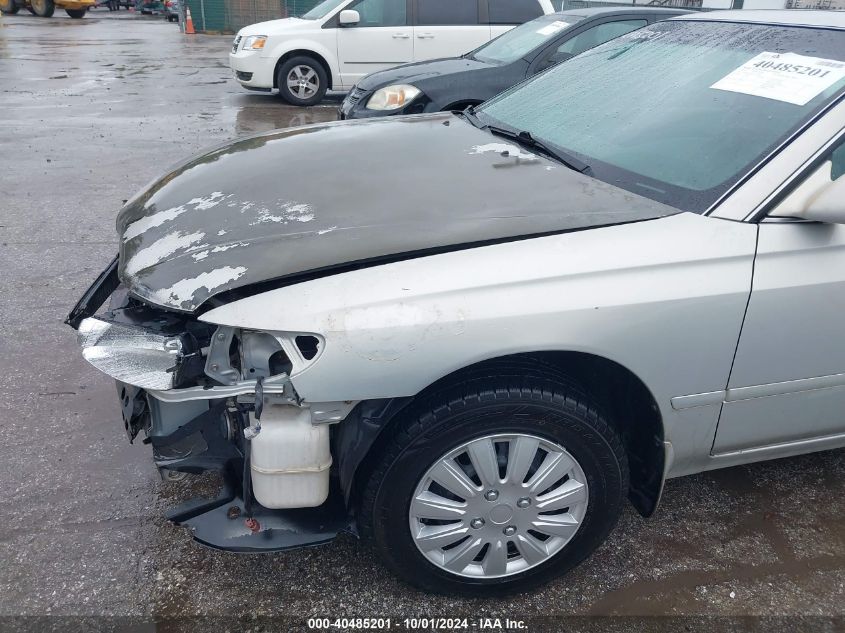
<point>228,16</point>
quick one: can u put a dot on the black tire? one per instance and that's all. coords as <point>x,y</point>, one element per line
<point>76,14</point>
<point>486,402</point>
<point>304,62</point>
<point>43,8</point>
<point>8,7</point>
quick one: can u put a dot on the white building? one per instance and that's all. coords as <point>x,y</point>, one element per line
<point>772,4</point>
<point>718,4</point>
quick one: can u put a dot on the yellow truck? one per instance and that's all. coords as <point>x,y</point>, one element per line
<point>45,8</point>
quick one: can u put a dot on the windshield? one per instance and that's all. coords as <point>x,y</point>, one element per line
<point>521,40</point>
<point>680,110</point>
<point>322,9</point>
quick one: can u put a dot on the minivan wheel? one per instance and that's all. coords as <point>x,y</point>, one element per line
<point>43,8</point>
<point>495,486</point>
<point>302,81</point>
<point>8,7</point>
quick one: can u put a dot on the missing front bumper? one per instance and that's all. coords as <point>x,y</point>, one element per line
<point>223,523</point>
<point>194,416</point>
<point>213,440</point>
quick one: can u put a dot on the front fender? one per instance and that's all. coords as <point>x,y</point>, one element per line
<point>664,298</point>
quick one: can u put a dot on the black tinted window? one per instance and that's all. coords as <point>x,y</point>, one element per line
<point>513,11</point>
<point>837,158</point>
<point>381,12</point>
<point>433,12</point>
<point>599,35</point>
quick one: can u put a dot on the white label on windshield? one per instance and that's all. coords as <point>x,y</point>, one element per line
<point>783,76</point>
<point>553,28</point>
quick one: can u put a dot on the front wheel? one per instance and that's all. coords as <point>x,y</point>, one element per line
<point>495,486</point>
<point>8,7</point>
<point>76,13</point>
<point>302,81</point>
<point>43,8</point>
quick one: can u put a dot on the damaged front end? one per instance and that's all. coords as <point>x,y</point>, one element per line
<point>216,398</point>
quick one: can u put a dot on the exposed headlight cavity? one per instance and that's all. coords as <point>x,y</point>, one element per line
<point>393,97</point>
<point>237,354</point>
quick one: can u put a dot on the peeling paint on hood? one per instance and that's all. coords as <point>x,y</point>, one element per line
<point>312,198</point>
<point>185,290</point>
<point>504,149</point>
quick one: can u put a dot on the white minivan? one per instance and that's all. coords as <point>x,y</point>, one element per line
<point>340,41</point>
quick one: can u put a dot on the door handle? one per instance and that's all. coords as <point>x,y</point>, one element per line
<point>426,36</point>
<point>400,36</point>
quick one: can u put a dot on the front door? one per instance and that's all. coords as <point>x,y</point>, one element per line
<point>447,28</point>
<point>788,379</point>
<point>382,39</point>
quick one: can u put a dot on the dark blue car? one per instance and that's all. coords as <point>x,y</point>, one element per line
<point>457,82</point>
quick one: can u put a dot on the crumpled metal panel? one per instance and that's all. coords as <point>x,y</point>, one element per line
<point>129,354</point>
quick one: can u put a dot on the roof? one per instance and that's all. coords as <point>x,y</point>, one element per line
<point>791,17</point>
<point>631,8</point>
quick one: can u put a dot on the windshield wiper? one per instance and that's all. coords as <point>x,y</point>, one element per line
<point>469,115</point>
<point>525,139</point>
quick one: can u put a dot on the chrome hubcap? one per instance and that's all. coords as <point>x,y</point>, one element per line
<point>498,505</point>
<point>303,81</point>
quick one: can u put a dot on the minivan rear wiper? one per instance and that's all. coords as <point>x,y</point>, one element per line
<point>525,139</point>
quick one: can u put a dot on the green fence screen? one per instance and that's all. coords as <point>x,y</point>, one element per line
<point>228,16</point>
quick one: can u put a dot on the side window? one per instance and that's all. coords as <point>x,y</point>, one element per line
<point>837,159</point>
<point>513,11</point>
<point>381,12</point>
<point>447,12</point>
<point>809,192</point>
<point>597,35</point>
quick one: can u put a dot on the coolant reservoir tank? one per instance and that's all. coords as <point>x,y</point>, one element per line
<point>290,459</point>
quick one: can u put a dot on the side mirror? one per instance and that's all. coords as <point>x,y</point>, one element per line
<point>820,198</point>
<point>349,17</point>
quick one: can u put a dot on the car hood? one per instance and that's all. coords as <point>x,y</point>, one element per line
<point>420,71</point>
<point>274,27</point>
<point>281,204</point>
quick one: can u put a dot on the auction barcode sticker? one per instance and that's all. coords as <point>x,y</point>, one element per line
<point>554,27</point>
<point>785,77</point>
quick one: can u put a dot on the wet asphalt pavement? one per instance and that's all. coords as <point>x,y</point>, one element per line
<point>90,111</point>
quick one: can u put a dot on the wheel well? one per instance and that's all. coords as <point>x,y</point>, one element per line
<point>632,410</point>
<point>304,53</point>
<point>460,105</point>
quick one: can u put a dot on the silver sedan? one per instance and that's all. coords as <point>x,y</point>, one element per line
<point>495,326</point>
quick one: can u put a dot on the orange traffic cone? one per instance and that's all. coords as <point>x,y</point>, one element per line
<point>189,23</point>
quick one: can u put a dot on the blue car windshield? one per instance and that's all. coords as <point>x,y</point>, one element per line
<point>524,38</point>
<point>679,111</point>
